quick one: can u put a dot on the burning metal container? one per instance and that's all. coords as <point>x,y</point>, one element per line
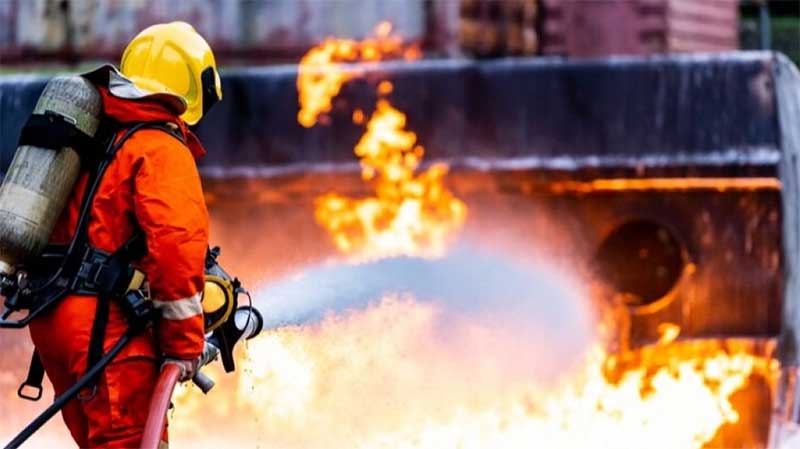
<point>670,183</point>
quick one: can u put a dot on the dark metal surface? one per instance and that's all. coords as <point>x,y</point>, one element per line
<point>699,110</point>
<point>516,128</point>
<point>665,111</point>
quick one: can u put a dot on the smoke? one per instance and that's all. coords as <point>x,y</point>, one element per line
<point>542,312</point>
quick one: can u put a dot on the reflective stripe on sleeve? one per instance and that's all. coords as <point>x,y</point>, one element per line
<point>180,309</point>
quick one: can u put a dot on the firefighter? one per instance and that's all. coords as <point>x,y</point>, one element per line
<point>167,75</point>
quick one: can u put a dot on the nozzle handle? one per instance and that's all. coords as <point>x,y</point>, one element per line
<point>203,382</point>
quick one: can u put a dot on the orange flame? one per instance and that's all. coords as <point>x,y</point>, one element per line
<point>411,213</point>
<point>667,333</point>
<point>321,75</point>
<point>382,378</point>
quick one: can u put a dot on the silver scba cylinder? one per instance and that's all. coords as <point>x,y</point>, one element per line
<point>39,181</point>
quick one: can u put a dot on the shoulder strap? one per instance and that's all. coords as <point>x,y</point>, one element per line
<point>55,131</point>
<point>170,129</point>
<point>80,239</point>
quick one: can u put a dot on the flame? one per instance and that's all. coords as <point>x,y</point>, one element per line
<point>667,333</point>
<point>383,377</point>
<point>410,213</point>
<point>321,74</point>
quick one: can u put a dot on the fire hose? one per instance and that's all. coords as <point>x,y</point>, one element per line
<point>162,396</point>
<point>247,321</point>
<point>159,405</point>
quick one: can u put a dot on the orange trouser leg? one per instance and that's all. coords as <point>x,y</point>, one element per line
<point>115,414</point>
<point>72,413</point>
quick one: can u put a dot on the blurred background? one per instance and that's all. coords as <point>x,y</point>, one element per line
<point>69,32</point>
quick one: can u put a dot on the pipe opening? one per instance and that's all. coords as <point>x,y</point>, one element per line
<point>642,260</point>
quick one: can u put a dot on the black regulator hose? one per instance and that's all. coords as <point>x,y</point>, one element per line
<point>70,394</point>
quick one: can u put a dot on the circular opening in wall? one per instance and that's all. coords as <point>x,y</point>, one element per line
<point>642,260</point>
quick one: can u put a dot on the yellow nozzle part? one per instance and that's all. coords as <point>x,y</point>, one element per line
<point>217,301</point>
<point>137,280</point>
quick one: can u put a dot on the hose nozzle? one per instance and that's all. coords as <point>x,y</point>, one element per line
<point>248,321</point>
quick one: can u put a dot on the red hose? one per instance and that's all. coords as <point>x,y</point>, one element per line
<point>159,405</point>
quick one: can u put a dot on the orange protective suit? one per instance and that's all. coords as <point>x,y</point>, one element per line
<point>153,183</point>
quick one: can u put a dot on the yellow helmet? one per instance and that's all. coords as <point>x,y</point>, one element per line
<point>173,58</point>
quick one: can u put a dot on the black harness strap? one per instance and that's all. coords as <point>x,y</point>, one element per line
<point>55,131</point>
<point>98,337</point>
<point>111,280</point>
<point>34,379</point>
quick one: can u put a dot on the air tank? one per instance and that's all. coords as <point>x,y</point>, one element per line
<point>39,181</point>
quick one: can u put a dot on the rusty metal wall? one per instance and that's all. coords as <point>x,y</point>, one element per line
<point>605,27</point>
<point>490,28</point>
<point>282,30</point>
<point>702,26</point>
<point>268,29</point>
